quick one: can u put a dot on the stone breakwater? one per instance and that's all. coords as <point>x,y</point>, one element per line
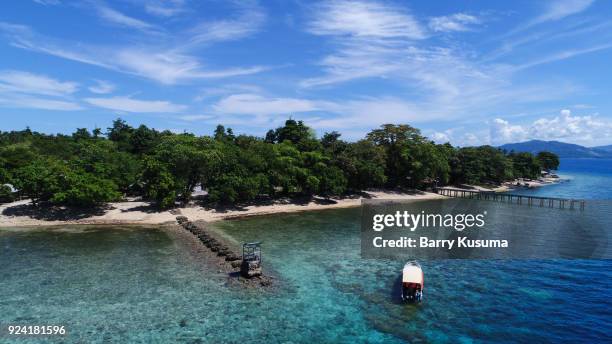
<point>227,258</point>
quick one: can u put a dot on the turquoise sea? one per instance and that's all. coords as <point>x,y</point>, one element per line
<point>583,179</point>
<point>122,285</point>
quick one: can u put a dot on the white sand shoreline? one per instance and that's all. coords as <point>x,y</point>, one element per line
<point>134,212</point>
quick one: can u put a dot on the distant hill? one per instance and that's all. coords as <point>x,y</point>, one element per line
<point>607,148</point>
<point>562,149</point>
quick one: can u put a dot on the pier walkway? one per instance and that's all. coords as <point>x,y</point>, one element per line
<point>543,202</point>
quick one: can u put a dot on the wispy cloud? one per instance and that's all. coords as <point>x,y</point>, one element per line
<point>559,9</point>
<point>115,17</point>
<point>129,104</point>
<point>102,87</point>
<point>165,8</point>
<point>26,82</point>
<point>575,31</point>
<point>562,55</point>
<point>30,102</point>
<point>372,39</point>
<point>20,89</point>
<point>554,11</point>
<point>224,90</point>
<point>454,22</point>
<point>164,65</point>
<point>245,104</point>
<point>247,21</point>
<point>443,79</point>
<point>194,118</point>
<point>364,19</point>
<point>47,2</point>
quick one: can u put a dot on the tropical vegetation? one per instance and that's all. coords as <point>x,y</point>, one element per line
<point>90,168</point>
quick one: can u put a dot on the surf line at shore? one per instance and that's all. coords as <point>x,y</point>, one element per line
<point>425,242</point>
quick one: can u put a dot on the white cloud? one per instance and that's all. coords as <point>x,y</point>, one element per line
<point>26,82</point>
<point>117,18</point>
<point>391,45</point>
<point>102,87</point>
<point>563,55</point>
<point>368,113</point>
<point>253,104</point>
<point>361,19</point>
<point>165,8</point>
<point>47,2</point>
<point>227,89</point>
<point>128,104</point>
<point>20,89</point>
<point>554,11</point>
<point>249,20</point>
<point>372,39</point>
<point>502,131</point>
<point>454,22</point>
<point>193,118</point>
<point>439,137</point>
<point>587,130</point>
<point>560,9</point>
<point>167,66</point>
<point>33,102</point>
<point>575,128</point>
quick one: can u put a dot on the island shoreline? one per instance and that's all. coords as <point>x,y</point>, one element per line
<point>136,212</point>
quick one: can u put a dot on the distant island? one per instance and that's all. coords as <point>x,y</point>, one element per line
<point>562,149</point>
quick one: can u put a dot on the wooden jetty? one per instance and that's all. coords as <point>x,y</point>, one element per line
<point>543,202</point>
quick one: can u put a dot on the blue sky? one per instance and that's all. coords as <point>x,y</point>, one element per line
<point>468,72</point>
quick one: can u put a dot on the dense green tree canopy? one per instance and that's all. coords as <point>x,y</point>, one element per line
<point>88,168</point>
<point>548,161</point>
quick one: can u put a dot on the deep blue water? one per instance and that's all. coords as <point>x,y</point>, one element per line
<point>143,285</point>
<point>584,179</point>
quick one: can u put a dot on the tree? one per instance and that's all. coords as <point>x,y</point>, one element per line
<point>190,160</point>
<point>525,165</point>
<point>87,169</point>
<point>159,184</point>
<point>143,140</point>
<point>297,133</point>
<point>222,134</point>
<point>6,194</point>
<point>480,165</point>
<point>40,179</point>
<point>408,155</point>
<point>81,134</point>
<point>363,164</point>
<point>84,190</point>
<point>548,161</point>
<point>120,133</point>
<point>50,180</point>
<point>17,155</point>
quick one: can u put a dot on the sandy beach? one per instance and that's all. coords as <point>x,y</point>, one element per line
<point>23,213</point>
<point>512,185</point>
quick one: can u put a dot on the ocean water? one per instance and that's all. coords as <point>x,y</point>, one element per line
<point>582,179</point>
<point>143,285</point>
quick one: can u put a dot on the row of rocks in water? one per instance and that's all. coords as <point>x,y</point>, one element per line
<point>233,261</point>
<point>213,244</point>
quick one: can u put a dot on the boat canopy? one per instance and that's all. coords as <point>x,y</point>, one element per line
<point>412,274</point>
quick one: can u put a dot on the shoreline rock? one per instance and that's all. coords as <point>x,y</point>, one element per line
<point>225,257</point>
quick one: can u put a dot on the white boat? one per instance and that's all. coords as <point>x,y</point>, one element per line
<point>412,282</point>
